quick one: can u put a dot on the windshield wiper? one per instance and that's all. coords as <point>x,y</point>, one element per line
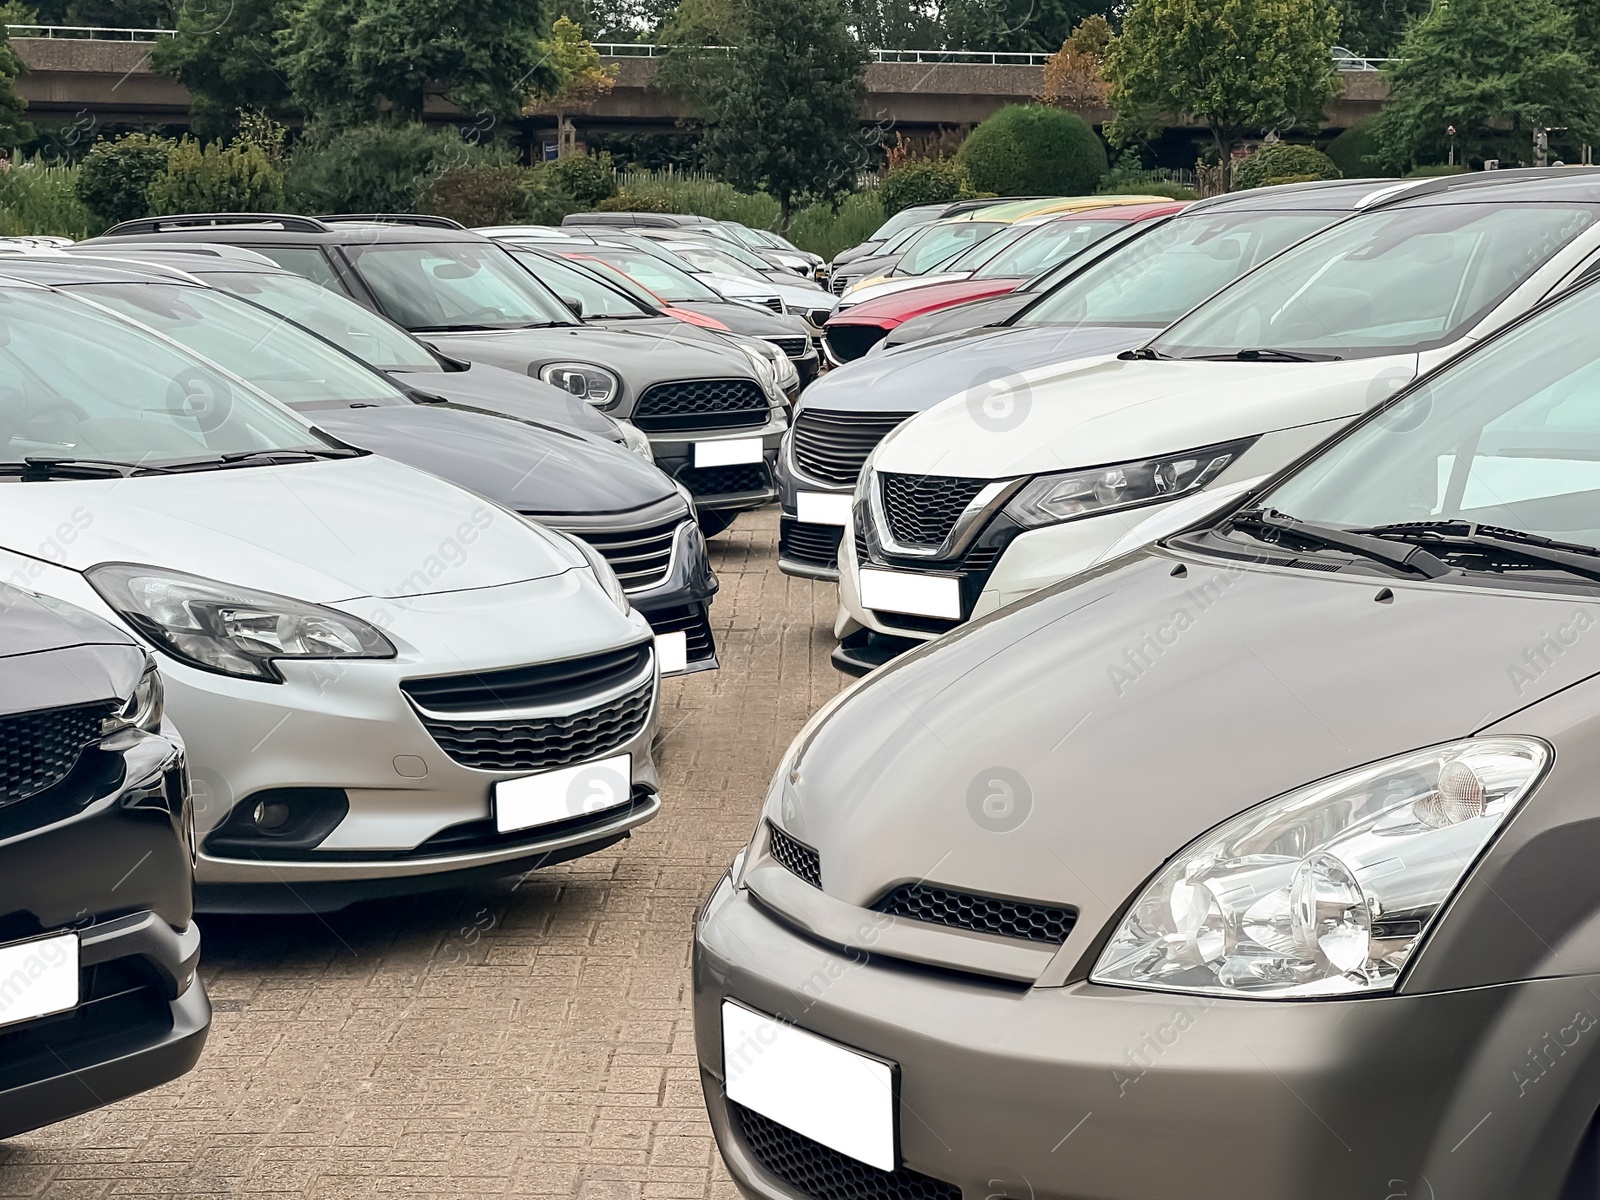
<point>1416,559</point>
<point>36,467</point>
<point>1143,354</point>
<point>1263,355</point>
<point>1572,557</point>
<point>262,458</point>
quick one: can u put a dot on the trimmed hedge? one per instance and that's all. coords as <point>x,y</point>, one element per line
<point>922,181</point>
<point>114,179</point>
<point>1281,163</point>
<point>1032,150</point>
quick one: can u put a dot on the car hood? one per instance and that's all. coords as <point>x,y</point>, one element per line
<point>873,265</point>
<point>877,290</point>
<point>741,318</point>
<point>1124,732</point>
<point>915,378</point>
<point>1110,410</point>
<point>641,357</point>
<point>526,468</point>
<point>904,303</point>
<point>960,318</point>
<point>323,531</point>
<point>55,655</point>
<point>511,394</point>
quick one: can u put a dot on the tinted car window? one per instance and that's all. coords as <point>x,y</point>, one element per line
<point>1044,247</point>
<point>1387,282</point>
<point>665,280</point>
<point>938,244</point>
<point>304,260</point>
<point>455,285</point>
<point>598,299</point>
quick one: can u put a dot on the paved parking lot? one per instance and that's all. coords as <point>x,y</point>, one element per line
<point>529,1040</point>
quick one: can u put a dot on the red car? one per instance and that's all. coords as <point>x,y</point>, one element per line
<point>1003,265</point>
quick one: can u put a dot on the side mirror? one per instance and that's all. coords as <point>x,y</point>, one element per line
<point>575,304</point>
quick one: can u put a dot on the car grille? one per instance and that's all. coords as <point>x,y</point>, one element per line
<point>850,342</point>
<point>819,316</point>
<point>923,509</point>
<point>794,347</point>
<point>817,545</point>
<point>545,684</point>
<point>690,620</point>
<point>833,446</point>
<point>775,304</point>
<point>39,749</point>
<point>816,1171</point>
<point>726,481</point>
<point>542,743</point>
<point>701,404</point>
<point>981,914</point>
<point>838,284</point>
<point>801,859</point>
<point>640,557</point>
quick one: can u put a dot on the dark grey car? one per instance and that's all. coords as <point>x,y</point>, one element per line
<point>714,415</point>
<point>1257,864</point>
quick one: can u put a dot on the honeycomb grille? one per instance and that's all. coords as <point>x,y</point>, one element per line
<point>923,509</point>
<point>800,858</point>
<point>701,404</point>
<point>726,481</point>
<point>39,749</point>
<point>814,1170</point>
<point>981,914</point>
<point>833,446</point>
<point>540,743</point>
<point>816,545</point>
<point>794,347</point>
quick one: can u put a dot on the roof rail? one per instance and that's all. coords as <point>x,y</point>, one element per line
<point>1440,184</point>
<point>425,219</point>
<point>201,220</point>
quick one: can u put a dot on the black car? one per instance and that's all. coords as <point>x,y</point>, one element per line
<point>99,994</point>
<point>626,508</point>
<point>714,414</point>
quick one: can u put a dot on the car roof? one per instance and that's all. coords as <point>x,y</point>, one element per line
<point>274,228</point>
<point>85,268</point>
<point>194,257</point>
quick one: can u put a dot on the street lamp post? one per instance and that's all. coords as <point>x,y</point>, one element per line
<point>1450,132</point>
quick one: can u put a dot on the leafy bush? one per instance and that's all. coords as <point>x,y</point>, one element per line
<point>114,179</point>
<point>1352,152</point>
<point>1434,171</point>
<point>217,178</point>
<point>630,201</point>
<point>922,181</point>
<point>39,199</point>
<point>1129,177</point>
<point>1279,164</point>
<point>373,168</point>
<point>1031,150</point>
<point>587,178</point>
<point>825,230</point>
<point>475,194</point>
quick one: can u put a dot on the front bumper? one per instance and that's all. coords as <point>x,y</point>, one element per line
<point>806,549</point>
<point>1087,1091</point>
<point>732,488</point>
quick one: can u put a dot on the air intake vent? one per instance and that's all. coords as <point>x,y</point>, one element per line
<point>801,859</point>
<point>39,749</point>
<point>923,509</point>
<point>816,1171</point>
<point>981,914</point>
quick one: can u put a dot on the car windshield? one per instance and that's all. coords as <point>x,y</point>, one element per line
<point>1156,278</point>
<point>974,258</point>
<point>938,244</point>
<point>904,220</point>
<point>256,344</point>
<point>79,383</point>
<point>355,329</point>
<point>1507,437</point>
<point>1044,247</point>
<point>1395,281</point>
<point>739,254</point>
<point>672,283</point>
<point>618,279</point>
<point>704,258</point>
<point>444,286</point>
<point>597,298</point>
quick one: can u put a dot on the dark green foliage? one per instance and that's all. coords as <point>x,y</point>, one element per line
<point>14,127</point>
<point>1282,163</point>
<point>1354,152</point>
<point>236,177</point>
<point>372,168</point>
<point>1037,25</point>
<point>226,55</point>
<point>115,176</point>
<point>120,14</point>
<point>1031,150</point>
<point>922,181</point>
<point>586,178</point>
<point>1375,27</point>
<point>476,194</point>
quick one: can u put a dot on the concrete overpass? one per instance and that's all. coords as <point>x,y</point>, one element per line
<point>105,76</point>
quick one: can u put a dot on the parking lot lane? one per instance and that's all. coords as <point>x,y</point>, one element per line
<point>528,1039</point>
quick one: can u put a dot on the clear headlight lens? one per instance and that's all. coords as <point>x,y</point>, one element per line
<point>1329,890</point>
<point>766,370</point>
<point>590,383</point>
<point>1051,499</point>
<point>230,630</point>
<point>634,439</point>
<point>146,705</point>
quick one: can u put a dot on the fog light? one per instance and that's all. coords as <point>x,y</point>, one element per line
<point>270,815</point>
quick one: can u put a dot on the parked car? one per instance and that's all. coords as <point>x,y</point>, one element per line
<point>624,508</point>
<point>728,254</point>
<point>714,415</point>
<point>100,997</point>
<point>1116,299</point>
<point>386,684</point>
<point>721,268</point>
<point>899,226</point>
<point>777,249</point>
<point>1265,848</point>
<point>993,494</point>
<point>992,268</point>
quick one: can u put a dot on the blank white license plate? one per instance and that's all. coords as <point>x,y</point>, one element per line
<point>824,508</point>
<point>815,1087</point>
<point>560,795</point>
<point>916,595</point>
<point>672,651</point>
<point>728,453</point>
<point>38,978</point>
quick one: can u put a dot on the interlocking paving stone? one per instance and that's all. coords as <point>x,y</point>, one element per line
<point>524,1039</point>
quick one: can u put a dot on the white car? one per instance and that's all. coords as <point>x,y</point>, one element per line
<point>1014,485</point>
<point>386,683</point>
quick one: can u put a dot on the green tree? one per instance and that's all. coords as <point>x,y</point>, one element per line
<point>1035,25</point>
<point>378,167</point>
<point>1234,65</point>
<point>14,126</point>
<point>115,176</point>
<point>217,178</point>
<point>349,60</point>
<point>1494,71</point>
<point>580,79</point>
<point>1033,150</point>
<point>922,181</point>
<point>782,108</point>
<point>1283,163</point>
<point>226,54</point>
<point>1375,27</point>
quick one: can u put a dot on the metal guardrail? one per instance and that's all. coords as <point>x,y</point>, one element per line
<point>92,33</point>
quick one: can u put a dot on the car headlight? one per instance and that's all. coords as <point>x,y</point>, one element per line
<point>1326,891</point>
<point>145,706</point>
<point>602,572</point>
<point>634,439</point>
<point>230,630</point>
<point>764,368</point>
<point>589,383</point>
<point>1051,499</point>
